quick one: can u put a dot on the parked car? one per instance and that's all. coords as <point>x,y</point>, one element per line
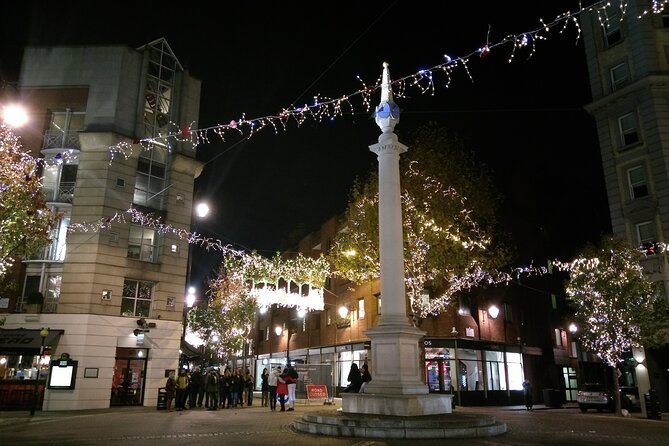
<point>595,396</point>
<point>629,398</point>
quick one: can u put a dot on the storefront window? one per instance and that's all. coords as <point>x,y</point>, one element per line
<point>496,372</point>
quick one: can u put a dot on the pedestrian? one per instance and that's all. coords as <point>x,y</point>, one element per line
<point>224,387</point>
<point>182,389</point>
<point>272,382</point>
<point>196,386</point>
<point>249,384</point>
<point>366,377</point>
<point>354,379</point>
<point>211,386</point>
<point>527,393</point>
<point>236,387</point>
<point>264,387</point>
<point>282,389</point>
<point>170,387</point>
<point>292,385</point>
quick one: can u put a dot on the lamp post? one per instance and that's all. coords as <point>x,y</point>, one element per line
<point>201,211</point>
<point>44,332</point>
<point>573,328</point>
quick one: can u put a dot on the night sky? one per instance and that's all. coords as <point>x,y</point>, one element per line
<point>524,119</point>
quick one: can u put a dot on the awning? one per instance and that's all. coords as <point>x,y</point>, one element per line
<point>26,341</point>
<point>189,351</point>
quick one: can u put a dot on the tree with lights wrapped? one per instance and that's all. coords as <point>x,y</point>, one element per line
<point>226,319</point>
<point>617,306</point>
<point>451,235</point>
<point>25,221</point>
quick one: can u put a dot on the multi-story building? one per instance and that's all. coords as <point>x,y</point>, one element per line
<point>113,287</point>
<point>481,349</point>
<point>628,64</point>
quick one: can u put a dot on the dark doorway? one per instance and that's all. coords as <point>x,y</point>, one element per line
<point>129,376</point>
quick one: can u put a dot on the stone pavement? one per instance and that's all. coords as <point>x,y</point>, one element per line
<point>258,426</point>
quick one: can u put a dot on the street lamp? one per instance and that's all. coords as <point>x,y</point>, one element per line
<point>14,115</point>
<point>44,332</point>
<point>573,328</point>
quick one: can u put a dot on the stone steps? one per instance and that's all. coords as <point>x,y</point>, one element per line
<point>340,424</point>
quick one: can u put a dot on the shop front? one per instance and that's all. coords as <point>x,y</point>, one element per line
<point>129,376</point>
<point>476,373</point>
<point>25,355</point>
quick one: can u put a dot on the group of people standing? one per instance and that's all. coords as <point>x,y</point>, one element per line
<point>279,383</point>
<point>230,389</point>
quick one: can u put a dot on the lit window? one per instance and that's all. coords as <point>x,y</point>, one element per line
<point>361,308</point>
<point>620,76</point>
<point>378,304</point>
<point>636,178</point>
<point>150,180</point>
<point>142,244</point>
<point>629,133</point>
<point>328,317</point>
<point>137,296</point>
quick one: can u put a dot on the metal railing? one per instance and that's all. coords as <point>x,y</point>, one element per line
<point>64,193</point>
<point>56,140</point>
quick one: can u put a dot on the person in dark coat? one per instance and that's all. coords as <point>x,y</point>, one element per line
<point>366,377</point>
<point>527,394</point>
<point>211,386</point>
<point>354,379</point>
<point>264,387</point>
<point>170,389</point>
<point>196,387</point>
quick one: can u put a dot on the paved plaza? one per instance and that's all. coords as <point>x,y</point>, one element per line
<point>258,426</point>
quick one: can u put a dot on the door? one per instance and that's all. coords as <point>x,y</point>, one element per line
<point>129,376</point>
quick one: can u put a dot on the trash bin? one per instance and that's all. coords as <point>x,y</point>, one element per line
<point>652,405</point>
<point>162,399</point>
<point>553,398</point>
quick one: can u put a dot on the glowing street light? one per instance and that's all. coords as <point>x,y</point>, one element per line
<point>14,115</point>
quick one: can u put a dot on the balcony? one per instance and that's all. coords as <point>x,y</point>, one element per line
<point>64,193</point>
<point>61,140</point>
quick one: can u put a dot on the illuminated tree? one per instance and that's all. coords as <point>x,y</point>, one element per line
<point>226,319</point>
<point>25,221</point>
<point>616,305</point>
<point>450,229</point>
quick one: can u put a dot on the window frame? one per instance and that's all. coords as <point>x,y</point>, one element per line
<point>618,82</point>
<point>152,256</point>
<point>638,229</point>
<point>613,34</point>
<point>125,297</point>
<point>634,186</point>
<point>625,132</point>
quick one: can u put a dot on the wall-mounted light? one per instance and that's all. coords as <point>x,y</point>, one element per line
<point>278,330</point>
<point>343,311</point>
<point>572,328</point>
<point>493,311</point>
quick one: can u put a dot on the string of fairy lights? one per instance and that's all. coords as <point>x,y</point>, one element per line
<point>325,108</point>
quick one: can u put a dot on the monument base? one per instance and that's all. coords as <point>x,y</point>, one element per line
<point>397,405</point>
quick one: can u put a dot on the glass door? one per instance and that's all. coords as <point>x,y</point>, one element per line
<point>129,375</point>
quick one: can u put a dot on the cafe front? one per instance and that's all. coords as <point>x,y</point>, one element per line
<point>25,356</point>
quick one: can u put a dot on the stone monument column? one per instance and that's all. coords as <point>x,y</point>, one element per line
<point>396,387</point>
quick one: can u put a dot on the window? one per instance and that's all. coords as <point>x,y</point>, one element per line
<point>508,313</point>
<point>629,133</point>
<point>56,250</point>
<point>620,76</point>
<point>665,18</point>
<point>612,31</point>
<point>646,232</point>
<point>267,333</point>
<point>142,244</point>
<point>464,305</point>
<point>328,317</point>
<point>636,179</point>
<point>150,181</point>
<point>378,303</point>
<point>495,370</point>
<point>361,308</point>
<point>137,295</point>
<point>558,337</point>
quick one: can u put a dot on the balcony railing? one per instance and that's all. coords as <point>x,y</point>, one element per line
<point>63,194</point>
<point>57,140</point>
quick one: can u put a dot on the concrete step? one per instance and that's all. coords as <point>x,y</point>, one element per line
<point>339,424</point>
